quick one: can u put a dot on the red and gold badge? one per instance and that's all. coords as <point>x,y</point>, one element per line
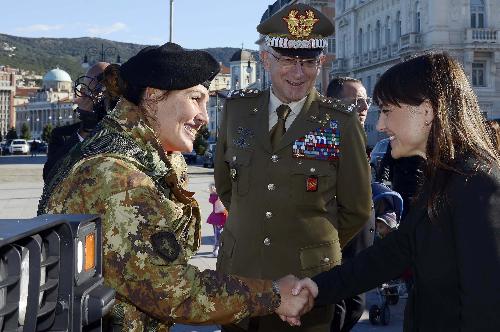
<point>312,183</point>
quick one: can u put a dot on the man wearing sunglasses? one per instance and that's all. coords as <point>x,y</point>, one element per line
<point>290,167</point>
<point>91,107</point>
<point>352,93</point>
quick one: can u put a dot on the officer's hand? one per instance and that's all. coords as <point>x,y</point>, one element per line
<point>295,305</point>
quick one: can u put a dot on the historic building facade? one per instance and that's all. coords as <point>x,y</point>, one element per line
<point>7,93</point>
<point>373,35</point>
<point>53,104</point>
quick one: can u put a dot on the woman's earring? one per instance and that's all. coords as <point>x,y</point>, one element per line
<point>427,123</point>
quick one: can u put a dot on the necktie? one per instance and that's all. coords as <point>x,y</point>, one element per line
<point>279,128</point>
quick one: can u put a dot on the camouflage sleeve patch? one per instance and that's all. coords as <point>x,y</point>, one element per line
<point>165,245</point>
<point>243,93</point>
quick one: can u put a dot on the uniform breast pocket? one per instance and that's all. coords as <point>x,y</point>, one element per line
<point>313,183</point>
<point>317,258</point>
<point>239,161</point>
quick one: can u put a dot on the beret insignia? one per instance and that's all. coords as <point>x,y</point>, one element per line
<point>166,246</point>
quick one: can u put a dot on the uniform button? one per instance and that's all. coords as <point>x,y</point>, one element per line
<point>326,260</point>
<point>313,170</point>
<point>271,186</point>
<point>269,214</point>
<point>274,158</point>
<point>267,241</point>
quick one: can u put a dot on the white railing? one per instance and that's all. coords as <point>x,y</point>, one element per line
<point>410,41</point>
<point>482,35</point>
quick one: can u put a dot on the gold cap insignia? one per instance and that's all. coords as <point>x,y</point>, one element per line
<point>299,25</point>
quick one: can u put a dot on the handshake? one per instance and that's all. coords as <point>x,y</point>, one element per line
<point>297,298</point>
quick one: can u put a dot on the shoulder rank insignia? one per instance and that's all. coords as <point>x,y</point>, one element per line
<point>243,93</point>
<point>166,246</point>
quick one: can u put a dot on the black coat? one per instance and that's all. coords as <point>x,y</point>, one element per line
<point>455,259</point>
<point>405,174</point>
<point>62,140</point>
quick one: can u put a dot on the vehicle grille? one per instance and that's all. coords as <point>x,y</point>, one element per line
<point>29,282</point>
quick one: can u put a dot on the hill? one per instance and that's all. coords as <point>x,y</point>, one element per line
<point>44,54</point>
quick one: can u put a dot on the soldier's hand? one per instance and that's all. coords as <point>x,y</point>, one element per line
<point>306,283</point>
<point>295,305</point>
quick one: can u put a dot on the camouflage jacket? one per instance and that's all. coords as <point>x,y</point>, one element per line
<point>151,227</point>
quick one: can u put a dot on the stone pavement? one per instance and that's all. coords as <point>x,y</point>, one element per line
<point>21,185</point>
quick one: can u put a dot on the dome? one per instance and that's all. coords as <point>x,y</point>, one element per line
<point>241,55</point>
<point>57,75</point>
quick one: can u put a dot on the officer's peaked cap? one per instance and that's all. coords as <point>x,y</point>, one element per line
<point>297,30</point>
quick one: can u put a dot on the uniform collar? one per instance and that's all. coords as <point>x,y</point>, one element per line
<point>295,106</point>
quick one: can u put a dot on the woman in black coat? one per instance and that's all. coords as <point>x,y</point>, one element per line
<point>451,236</point>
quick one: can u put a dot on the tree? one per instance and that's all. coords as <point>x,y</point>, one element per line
<point>200,143</point>
<point>47,132</point>
<point>11,134</point>
<point>25,131</point>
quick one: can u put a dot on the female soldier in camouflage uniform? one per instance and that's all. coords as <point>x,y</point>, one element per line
<point>128,173</point>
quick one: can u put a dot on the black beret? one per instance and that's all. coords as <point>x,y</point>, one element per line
<point>169,67</point>
<point>297,30</point>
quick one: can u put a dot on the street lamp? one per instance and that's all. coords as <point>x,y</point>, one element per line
<point>171,20</point>
<point>248,70</point>
<point>93,51</point>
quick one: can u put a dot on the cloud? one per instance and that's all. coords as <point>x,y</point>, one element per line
<point>39,28</point>
<point>106,30</point>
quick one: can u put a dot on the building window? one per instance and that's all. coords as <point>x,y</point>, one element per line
<point>477,14</point>
<point>360,41</point>
<point>387,30</point>
<point>418,22</point>
<point>331,45</point>
<point>478,74</point>
<point>368,38</point>
<point>416,17</point>
<point>378,32</point>
<point>398,25</point>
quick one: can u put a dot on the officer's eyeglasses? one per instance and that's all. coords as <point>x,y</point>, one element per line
<point>358,102</point>
<point>287,62</point>
<point>83,88</point>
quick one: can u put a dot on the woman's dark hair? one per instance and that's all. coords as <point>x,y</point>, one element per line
<point>118,87</point>
<point>458,129</point>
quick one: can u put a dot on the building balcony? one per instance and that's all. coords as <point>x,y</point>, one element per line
<point>374,55</point>
<point>410,41</point>
<point>366,57</point>
<point>384,52</point>
<point>338,65</point>
<point>482,35</point>
<point>355,61</point>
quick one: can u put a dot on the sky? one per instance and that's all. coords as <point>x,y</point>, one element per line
<point>196,23</point>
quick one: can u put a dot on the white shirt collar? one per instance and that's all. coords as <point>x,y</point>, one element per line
<point>295,108</point>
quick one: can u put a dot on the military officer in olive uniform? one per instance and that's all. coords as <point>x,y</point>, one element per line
<point>290,167</point>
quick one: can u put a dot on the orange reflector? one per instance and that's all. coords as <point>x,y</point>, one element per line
<point>89,252</point>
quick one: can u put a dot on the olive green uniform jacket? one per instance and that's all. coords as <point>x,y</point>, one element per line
<point>275,225</point>
<point>151,227</point>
